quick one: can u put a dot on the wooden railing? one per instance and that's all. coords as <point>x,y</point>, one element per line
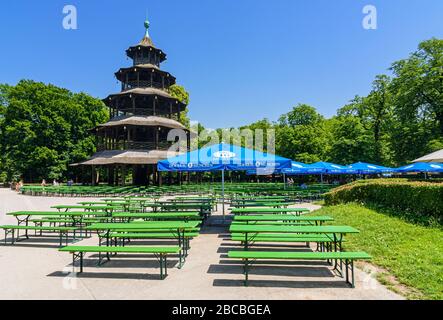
<point>132,84</point>
<point>131,145</point>
<point>146,112</point>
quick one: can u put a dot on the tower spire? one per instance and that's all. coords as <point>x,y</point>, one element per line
<point>147,39</point>
<point>147,24</point>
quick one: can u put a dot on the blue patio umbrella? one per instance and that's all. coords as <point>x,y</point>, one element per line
<point>222,157</point>
<point>263,172</point>
<point>421,167</point>
<point>368,168</point>
<point>329,168</point>
<point>296,168</point>
<point>332,168</point>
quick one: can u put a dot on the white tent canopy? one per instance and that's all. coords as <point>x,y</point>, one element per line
<point>436,156</point>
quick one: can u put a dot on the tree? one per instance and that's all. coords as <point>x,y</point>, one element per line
<point>182,95</point>
<point>261,134</point>
<point>372,116</point>
<point>302,135</point>
<point>46,128</point>
<point>3,104</point>
<point>418,101</point>
<point>350,142</point>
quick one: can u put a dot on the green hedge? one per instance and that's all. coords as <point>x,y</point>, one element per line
<point>402,197</point>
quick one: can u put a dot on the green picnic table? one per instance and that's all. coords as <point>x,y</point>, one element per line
<point>203,208</point>
<point>284,219</point>
<point>265,210</point>
<point>125,205</point>
<point>337,232</point>
<point>102,203</point>
<point>178,227</point>
<point>258,200</point>
<point>263,204</point>
<point>76,216</point>
<point>107,208</point>
<point>202,199</point>
<point>185,216</point>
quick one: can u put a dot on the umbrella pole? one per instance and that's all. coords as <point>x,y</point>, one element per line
<point>321,178</point>
<point>284,181</point>
<point>223,193</point>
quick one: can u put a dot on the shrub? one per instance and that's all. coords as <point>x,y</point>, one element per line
<point>419,199</point>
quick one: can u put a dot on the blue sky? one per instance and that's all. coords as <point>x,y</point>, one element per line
<point>241,60</point>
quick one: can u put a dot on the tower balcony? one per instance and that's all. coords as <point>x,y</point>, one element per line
<point>134,145</point>
<point>133,84</point>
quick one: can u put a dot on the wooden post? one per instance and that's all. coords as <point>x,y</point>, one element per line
<point>188,141</point>
<point>93,175</point>
<point>156,137</point>
<point>123,175</point>
<point>153,106</point>
<point>160,180</point>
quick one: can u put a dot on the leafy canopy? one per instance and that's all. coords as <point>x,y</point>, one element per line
<point>45,128</point>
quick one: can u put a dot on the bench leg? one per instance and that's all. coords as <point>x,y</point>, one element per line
<point>11,232</point>
<point>163,266</point>
<point>246,271</point>
<point>76,257</point>
<point>352,271</point>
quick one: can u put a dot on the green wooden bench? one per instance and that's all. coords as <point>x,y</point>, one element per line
<point>159,252</point>
<point>153,235</point>
<point>283,238</point>
<point>273,223</point>
<point>348,257</point>
<point>11,229</point>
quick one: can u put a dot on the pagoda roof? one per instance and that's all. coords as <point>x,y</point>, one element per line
<point>145,91</point>
<point>109,157</point>
<point>145,67</point>
<point>146,42</point>
<point>143,121</point>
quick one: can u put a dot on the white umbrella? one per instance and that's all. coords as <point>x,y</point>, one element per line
<point>436,156</point>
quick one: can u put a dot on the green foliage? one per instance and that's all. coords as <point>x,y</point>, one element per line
<point>414,200</point>
<point>261,135</point>
<point>180,93</point>
<point>45,128</point>
<point>411,253</point>
<point>303,135</point>
<point>417,90</point>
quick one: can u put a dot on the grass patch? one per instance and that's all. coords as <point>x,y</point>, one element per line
<point>413,254</point>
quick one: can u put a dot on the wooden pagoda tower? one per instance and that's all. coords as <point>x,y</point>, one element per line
<point>141,116</point>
